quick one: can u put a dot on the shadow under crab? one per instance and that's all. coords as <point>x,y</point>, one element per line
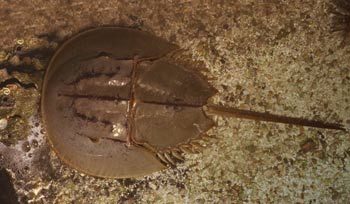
<point>116,103</point>
<point>341,20</point>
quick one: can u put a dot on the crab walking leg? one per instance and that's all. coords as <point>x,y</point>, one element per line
<point>238,113</point>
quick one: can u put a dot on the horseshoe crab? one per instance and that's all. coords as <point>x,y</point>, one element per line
<point>116,104</point>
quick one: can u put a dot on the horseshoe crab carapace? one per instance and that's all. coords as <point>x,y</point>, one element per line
<point>116,104</point>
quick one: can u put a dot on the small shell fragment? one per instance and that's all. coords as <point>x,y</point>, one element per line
<point>6,91</point>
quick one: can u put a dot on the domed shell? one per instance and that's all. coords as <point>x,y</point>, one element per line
<point>112,101</point>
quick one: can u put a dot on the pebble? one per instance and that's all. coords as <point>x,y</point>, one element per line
<point>15,61</point>
<point>3,123</point>
<point>3,74</point>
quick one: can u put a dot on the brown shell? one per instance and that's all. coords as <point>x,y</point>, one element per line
<point>114,105</point>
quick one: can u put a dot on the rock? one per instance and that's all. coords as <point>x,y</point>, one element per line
<point>3,123</point>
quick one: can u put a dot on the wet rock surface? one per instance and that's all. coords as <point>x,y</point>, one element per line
<point>282,57</point>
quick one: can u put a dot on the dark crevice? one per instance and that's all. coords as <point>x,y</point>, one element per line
<point>50,37</point>
<point>91,119</point>
<point>91,75</point>
<point>131,195</point>
<point>172,104</point>
<point>342,4</point>
<point>95,120</point>
<point>16,81</point>
<point>98,140</point>
<point>96,55</point>
<point>155,58</point>
<point>6,102</point>
<point>40,53</point>
<point>22,68</point>
<point>94,140</point>
<point>16,116</point>
<point>341,20</point>
<point>7,192</point>
<point>103,54</point>
<point>112,139</point>
<point>43,53</point>
<point>102,98</point>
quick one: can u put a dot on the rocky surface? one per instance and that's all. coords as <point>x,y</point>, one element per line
<point>285,57</point>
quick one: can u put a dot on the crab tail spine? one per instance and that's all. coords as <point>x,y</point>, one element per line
<point>259,116</point>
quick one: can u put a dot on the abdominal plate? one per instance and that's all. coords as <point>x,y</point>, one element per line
<point>169,109</point>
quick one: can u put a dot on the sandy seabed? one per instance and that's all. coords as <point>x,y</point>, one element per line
<point>275,56</point>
